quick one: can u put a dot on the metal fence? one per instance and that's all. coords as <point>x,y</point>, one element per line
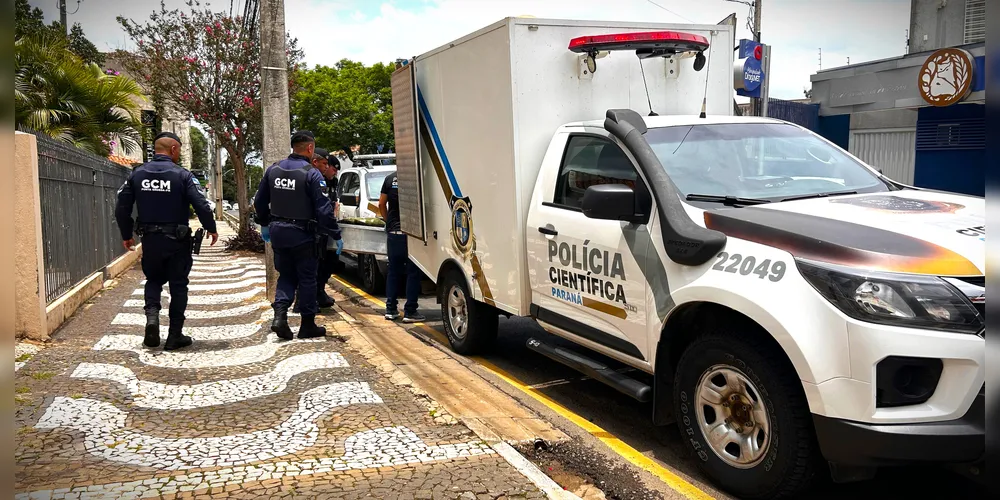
<point>79,233</point>
<point>800,113</point>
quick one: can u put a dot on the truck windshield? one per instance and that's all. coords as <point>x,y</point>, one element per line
<point>770,161</point>
<point>373,183</point>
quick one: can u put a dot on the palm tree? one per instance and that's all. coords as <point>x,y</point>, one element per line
<point>59,95</point>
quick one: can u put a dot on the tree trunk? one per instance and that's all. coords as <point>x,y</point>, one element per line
<point>242,197</point>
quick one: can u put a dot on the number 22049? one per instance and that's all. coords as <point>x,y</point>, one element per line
<point>737,263</point>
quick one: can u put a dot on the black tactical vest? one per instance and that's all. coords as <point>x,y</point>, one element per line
<point>159,195</point>
<point>289,198</point>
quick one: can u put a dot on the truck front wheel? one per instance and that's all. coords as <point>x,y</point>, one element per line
<point>471,326</point>
<point>740,413</point>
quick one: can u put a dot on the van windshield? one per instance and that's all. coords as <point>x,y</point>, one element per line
<point>771,161</point>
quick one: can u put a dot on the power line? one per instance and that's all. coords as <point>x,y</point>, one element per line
<point>670,11</point>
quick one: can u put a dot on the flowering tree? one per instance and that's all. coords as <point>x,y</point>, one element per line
<point>207,65</point>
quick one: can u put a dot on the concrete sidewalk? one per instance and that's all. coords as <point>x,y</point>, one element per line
<point>243,414</point>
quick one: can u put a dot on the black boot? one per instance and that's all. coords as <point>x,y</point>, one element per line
<point>176,339</point>
<point>152,328</point>
<point>324,300</point>
<point>309,329</point>
<point>279,324</point>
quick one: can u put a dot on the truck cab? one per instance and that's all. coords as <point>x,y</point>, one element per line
<point>797,312</point>
<point>359,186</point>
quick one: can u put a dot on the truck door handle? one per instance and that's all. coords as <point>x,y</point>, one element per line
<point>549,230</point>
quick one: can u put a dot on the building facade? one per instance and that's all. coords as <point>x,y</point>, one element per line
<point>919,117</point>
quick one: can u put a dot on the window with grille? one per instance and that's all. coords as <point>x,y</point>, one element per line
<point>975,21</point>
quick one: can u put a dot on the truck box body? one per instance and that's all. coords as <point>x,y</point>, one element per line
<point>488,104</point>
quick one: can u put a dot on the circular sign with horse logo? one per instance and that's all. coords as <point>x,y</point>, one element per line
<point>946,77</point>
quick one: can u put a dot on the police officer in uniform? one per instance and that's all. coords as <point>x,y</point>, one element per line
<point>291,203</point>
<point>162,190</point>
<point>329,261</point>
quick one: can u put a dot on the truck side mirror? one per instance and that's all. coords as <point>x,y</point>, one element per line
<point>610,202</point>
<point>348,199</point>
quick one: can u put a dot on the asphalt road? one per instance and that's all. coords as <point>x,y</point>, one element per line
<point>629,420</point>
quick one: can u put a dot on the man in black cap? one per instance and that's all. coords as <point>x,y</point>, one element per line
<point>329,262</point>
<point>162,190</point>
<point>291,203</point>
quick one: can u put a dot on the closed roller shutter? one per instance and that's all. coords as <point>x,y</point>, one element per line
<point>890,150</point>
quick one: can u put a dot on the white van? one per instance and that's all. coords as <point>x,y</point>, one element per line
<point>795,308</point>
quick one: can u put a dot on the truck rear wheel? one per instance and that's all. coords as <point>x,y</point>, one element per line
<point>739,411</point>
<point>372,278</point>
<point>471,326</point>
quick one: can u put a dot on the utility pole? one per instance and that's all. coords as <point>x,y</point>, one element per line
<point>758,109</point>
<point>274,100</point>
<point>62,16</point>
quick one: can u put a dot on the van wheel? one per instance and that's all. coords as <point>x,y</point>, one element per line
<point>371,277</point>
<point>471,326</point>
<point>743,417</point>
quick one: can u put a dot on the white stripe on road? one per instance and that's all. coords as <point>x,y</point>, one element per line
<point>107,437</point>
<point>184,397</point>
<point>233,356</point>
<point>222,258</point>
<point>189,314</point>
<point>217,332</point>
<point>385,447</point>
<point>227,272</point>
<point>213,279</point>
<point>221,286</point>
<point>204,300</point>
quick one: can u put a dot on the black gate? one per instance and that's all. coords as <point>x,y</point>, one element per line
<point>77,191</point>
<point>800,113</point>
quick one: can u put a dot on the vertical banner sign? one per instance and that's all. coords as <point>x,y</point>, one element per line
<point>404,120</point>
<point>148,118</point>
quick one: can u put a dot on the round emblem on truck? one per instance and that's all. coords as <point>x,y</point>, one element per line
<point>945,78</point>
<point>461,225</point>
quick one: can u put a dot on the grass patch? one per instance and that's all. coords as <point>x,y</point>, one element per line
<point>22,358</point>
<point>21,400</point>
<point>42,375</point>
<point>22,390</point>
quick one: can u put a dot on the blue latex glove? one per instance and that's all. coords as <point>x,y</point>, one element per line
<point>265,233</point>
<point>340,246</point>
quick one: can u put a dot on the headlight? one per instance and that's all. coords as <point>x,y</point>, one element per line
<point>908,300</point>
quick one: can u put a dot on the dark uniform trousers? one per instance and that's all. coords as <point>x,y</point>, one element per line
<point>296,268</point>
<point>166,261</point>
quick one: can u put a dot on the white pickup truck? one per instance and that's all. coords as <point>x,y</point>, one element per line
<point>799,313</point>
<point>358,190</point>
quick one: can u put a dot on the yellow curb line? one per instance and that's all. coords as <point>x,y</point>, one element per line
<point>627,452</point>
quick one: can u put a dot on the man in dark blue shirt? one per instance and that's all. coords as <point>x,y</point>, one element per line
<point>163,191</point>
<point>399,258</point>
<point>290,201</point>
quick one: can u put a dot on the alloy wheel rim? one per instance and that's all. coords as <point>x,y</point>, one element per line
<point>732,416</point>
<point>458,312</point>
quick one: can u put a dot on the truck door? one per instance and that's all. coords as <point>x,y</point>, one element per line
<point>350,194</point>
<point>587,273</point>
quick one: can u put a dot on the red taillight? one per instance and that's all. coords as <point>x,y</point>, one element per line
<point>672,41</point>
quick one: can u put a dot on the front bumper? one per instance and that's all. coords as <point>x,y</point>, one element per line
<point>849,443</point>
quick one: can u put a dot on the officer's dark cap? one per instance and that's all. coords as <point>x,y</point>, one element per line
<point>333,161</point>
<point>320,153</point>
<point>302,136</point>
<point>168,135</point>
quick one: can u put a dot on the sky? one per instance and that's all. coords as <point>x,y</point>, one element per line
<point>373,31</point>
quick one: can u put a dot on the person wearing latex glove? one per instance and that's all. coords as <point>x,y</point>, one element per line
<point>265,234</point>
<point>329,260</point>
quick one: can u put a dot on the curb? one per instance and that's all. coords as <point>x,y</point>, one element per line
<point>524,466</point>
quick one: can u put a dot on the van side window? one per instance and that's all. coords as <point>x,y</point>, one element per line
<point>590,161</point>
<point>349,182</point>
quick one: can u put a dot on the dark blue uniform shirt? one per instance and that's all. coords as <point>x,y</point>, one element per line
<point>287,235</point>
<point>163,191</point>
